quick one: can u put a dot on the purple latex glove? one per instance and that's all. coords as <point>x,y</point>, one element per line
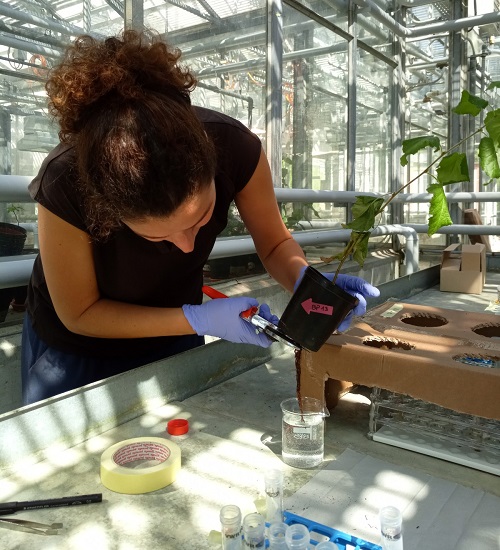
<point>354,285</point>
<point>221,318</point>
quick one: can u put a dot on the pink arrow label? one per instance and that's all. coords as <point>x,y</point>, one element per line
<point>313,307</point>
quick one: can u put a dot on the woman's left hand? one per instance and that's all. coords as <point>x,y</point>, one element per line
<point>356,286</point>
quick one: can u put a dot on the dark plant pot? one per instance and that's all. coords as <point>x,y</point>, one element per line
<point>16,297</point>
<point>5,299</point>
<point>316,310</point>
<point>12,239</point>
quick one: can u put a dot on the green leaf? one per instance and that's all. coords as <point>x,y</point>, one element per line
<point>493,85</point>
<point>492,123</point>
<point>453,169</point>
<point>439,216</point>
<point>364,211</point>
<point>488,157</point>
<point>361,248</point>
<point>470,104</point>
<point>414,145</point>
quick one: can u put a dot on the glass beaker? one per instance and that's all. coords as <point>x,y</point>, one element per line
<point>303,432</point>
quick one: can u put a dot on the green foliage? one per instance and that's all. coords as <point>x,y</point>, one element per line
<point>448,167</point>
<point>364,212</point>
<point>414,145</point>
<point>453,169</point>
<point>15,210</point>
<point>439,215</point>
<point>470,105</point>
<point>235,225</point>
<point>297,215</point>
<point>488,157</point>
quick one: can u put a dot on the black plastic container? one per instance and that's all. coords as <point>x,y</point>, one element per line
<point>316,310</point>
<point>12,239</point>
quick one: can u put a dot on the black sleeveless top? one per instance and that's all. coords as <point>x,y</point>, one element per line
<point>129,268</point>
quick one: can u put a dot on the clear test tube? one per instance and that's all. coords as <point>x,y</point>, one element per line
<point>254,531</point>
<point>391,528</point>
<point>297,537</point>
<point>230,521</point>
<point>276,536</point>
<point>326,545</point>
<point>273,481</point>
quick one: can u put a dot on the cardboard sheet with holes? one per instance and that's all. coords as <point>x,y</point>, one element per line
<point>442,356</point>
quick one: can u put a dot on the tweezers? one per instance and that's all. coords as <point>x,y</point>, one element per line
<point>31,526</point>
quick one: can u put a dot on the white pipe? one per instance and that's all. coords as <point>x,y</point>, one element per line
<point>443,26</point>
<point>310,195</point>
<point>233,247</point>
<point>15,188</point>
<point>16,270</point>
<point>457,229</point>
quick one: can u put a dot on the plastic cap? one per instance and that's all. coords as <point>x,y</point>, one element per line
<point>179,426</point>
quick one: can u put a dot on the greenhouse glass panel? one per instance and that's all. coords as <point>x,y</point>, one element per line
<point>314,135</point>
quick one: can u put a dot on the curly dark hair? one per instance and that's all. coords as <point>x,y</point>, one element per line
<point>124,104</point>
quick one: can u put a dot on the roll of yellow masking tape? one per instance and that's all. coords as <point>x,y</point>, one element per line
<point>140,465</point>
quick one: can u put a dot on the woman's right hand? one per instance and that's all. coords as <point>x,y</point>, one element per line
<point>221,318</point>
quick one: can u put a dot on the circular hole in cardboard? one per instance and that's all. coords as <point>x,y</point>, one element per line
<point>490,330</point>
<point>478,360</point>
<point>423,320</point>
<point>387,343</point>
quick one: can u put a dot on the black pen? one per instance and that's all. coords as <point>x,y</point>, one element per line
<point>11,507</point>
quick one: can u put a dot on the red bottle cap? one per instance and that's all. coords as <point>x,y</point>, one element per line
<point>179,426</point>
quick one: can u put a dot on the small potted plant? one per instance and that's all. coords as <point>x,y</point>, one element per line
<point>12,239</point>
<point>448,167</point>
<point>12,236</point>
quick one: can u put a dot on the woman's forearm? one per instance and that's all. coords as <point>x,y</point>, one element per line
<point>284,262</point>
<point>112,319</point>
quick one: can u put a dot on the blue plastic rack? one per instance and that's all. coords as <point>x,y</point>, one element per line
<point>342,540</point>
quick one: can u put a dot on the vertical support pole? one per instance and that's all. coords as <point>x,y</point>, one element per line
<point>456,82</point>
<point>134,15</point>
<point>301,101</point>
<point>274,84</point>
<point>87,20</point>
<point>397,108</point>
<point>351,104</point>
<point>6,145</point>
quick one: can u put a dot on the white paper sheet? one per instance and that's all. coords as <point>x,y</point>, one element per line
<point>437,514</point>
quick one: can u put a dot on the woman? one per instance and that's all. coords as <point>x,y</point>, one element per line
<point>130,205</point>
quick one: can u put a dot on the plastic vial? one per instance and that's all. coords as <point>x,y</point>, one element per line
<point>297,537</point>
<point>326,545</point>
<point>230,521</point>
<point>254,527</point>
<point>276,536</point>
<point>391,528</point>
<point>273,481</point>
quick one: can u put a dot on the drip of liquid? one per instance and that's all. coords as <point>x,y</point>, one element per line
<point>298,355</point>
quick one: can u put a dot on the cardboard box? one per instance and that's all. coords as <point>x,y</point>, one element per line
<point>418,351</point>
<point>463,269</point>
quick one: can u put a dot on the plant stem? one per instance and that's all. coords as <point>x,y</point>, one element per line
<point>351,245</point>
<point>443,154</point>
